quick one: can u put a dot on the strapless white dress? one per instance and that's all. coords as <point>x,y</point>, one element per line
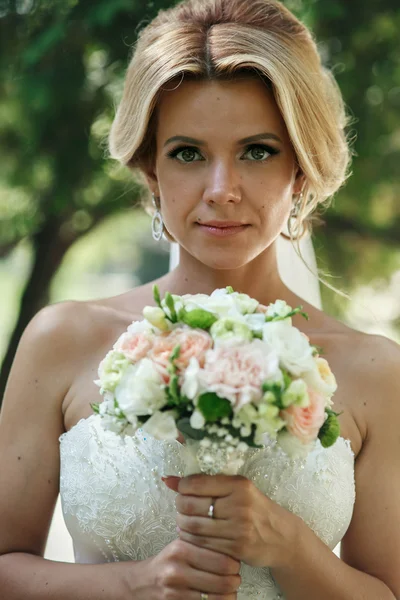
<point>116,507</point>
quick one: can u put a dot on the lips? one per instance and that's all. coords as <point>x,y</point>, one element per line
<point>223,224</point>
<point>222,228</point>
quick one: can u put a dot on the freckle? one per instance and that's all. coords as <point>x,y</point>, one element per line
<point>365,404</point>
<point>173,201</point>
<point>49,481</point>
<point>186,279</point>
<point>36,380</point>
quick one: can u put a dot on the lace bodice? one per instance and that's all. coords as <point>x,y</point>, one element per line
<point>117,508</point>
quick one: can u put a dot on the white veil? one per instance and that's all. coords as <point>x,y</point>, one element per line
<point>292,270</point>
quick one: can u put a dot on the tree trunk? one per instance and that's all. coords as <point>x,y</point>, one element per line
<point>49,249</point>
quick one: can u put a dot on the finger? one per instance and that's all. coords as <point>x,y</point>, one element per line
<point>199,506</point>
<point>171,482</point>
<point>206,527</point>
<point>223,545</point>
<point>211,561</point>
<point>211,583</point>
<point>210,485</point>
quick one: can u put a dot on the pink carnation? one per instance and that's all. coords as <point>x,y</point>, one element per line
<point>237,373</point>
<point>193,342</point>
<point>305,423</point>
<point>135,346</point>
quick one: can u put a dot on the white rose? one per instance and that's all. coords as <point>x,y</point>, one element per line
<point>140,391</point>
<point>245,304</point>
<point>292,347</point>
<point>219,302</point>
<point>320,377</point>
<point>162,426</point>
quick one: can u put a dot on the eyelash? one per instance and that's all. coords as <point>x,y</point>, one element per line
<point>173,153</point>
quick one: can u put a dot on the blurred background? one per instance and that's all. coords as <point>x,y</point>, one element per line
<point>70,223</point>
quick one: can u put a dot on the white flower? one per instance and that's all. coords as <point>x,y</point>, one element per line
<point>297,393</point>
<point>142,326</point>
<point>221,303</point>
<point>190,384</point>
<point>320,378</point>
<point>156,316</point>
<point>255,321</point>
<point>292,347</point>
<point>292,446</point>
<point>230,331</point>
<point>111,370</point>
<point>111,423</point>
<point>140,391</point>
<point>197,420</point>
<point>279,308</point>
<point>162,426</point>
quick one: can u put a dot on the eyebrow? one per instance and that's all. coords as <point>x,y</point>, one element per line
<point>247,140</point>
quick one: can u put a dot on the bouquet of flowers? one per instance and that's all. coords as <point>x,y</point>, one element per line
<point>224,371</point>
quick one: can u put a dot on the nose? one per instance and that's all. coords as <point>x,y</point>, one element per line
<point>222,186</point>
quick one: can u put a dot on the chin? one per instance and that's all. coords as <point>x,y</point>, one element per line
<point>222,260</point>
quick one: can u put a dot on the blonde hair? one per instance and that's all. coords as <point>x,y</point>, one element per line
<point>224,39</point>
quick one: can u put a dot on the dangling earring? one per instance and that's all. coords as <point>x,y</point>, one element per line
<point>293,215</point>
<point>157,223</point>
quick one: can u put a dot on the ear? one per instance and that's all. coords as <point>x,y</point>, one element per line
<point>299,182</point>
<point>150,175</point>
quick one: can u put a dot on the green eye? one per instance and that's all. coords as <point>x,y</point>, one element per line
<point>259,152</point>
<point>185,155</point>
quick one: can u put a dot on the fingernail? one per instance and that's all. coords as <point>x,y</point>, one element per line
<point>170,477</point>
<point>178,529</point>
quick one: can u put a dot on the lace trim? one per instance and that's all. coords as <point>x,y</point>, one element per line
<point>117,508</point>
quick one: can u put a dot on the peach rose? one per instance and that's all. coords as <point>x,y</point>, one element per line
<point>305,423</point>
<point>237,373</point>
<point>135,346</point>
<point>193,343</point>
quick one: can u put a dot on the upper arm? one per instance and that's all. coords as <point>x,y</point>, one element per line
<point>372,542</point>
<point>30,425</point>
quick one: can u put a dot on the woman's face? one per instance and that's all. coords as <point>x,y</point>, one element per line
<point>224,197</point>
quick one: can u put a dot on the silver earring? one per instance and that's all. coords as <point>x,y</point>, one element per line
<point>157,223</point>
<point>296,209</point>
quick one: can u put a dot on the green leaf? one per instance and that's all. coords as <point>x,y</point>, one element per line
<point>229,289</point>
<point>156,295</point>
<point>171,305</point>
<point>213,407</point>
<point>96,408</point>
<point>175,353</point>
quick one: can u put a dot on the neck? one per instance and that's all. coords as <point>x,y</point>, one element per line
<point>259,279</point>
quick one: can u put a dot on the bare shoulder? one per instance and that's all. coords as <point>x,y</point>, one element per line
<point>372,542</point>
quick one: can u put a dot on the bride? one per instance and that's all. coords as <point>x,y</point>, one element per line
<point>239,133</point>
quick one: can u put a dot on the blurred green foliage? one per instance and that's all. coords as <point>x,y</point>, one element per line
<point>62,64</point>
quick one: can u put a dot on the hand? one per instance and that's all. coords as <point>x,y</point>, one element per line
<point>247,525</point>
<point>181,572</point>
